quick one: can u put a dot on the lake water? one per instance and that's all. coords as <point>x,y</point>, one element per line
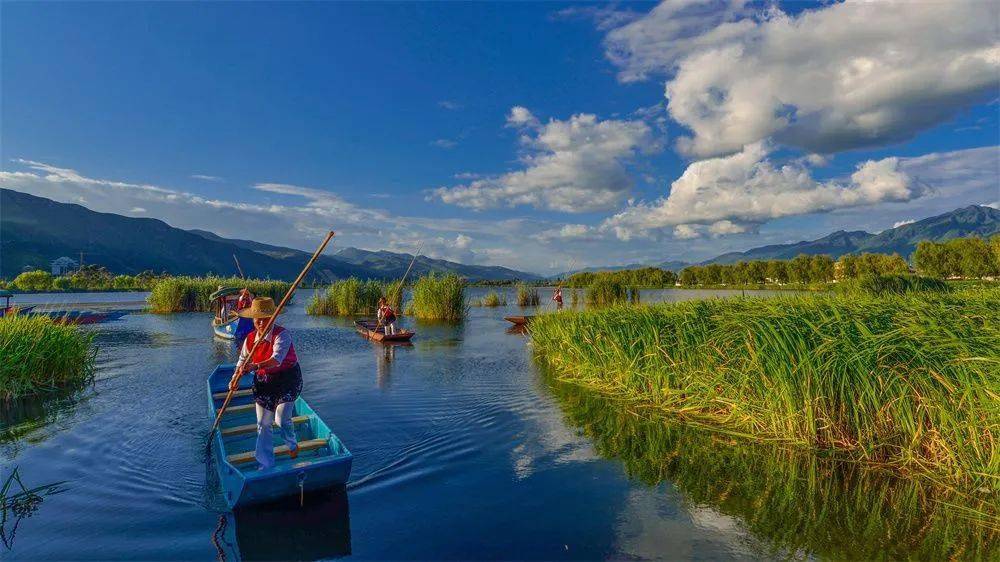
<point>463,450</point>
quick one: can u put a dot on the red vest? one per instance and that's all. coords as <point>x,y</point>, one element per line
<point>244,301</point>
<point>266,348</point>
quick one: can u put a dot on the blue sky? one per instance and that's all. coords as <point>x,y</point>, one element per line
<point>536,136</point>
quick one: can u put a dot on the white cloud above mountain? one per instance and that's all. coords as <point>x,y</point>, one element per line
<point>843,76</point>
<point>574,165</point>
<point>731,194</point>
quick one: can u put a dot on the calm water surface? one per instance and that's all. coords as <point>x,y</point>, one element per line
<point>463,450</point>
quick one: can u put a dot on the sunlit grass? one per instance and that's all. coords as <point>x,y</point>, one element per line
<point>527,295</point>
<point>911,381</point>
<point>40,356</point>
<point>191,294</point>
<point>606,290</point>
<point>492,299</point>
<point>438,298</point>
<point>353,297</point>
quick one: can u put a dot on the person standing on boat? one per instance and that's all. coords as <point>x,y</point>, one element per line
<point>277,380</point>
<point>245,300</point>
<point>386,316</point>
<point>558,297</point>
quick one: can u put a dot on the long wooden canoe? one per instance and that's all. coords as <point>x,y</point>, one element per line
<point>518,320</point>
<point>323,461</point>
<point>372,331</point>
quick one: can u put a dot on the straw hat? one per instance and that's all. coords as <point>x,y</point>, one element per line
<point>262,307</point>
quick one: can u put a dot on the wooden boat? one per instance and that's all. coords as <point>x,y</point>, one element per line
<point>82,316</point>
<point>235,328</point>
<point>8,309</point>
<point>323,461</point>
<point>231,326</point>
<point>518,320</point>
<point>374,332</point>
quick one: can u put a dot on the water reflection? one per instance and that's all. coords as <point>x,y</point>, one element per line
<point>18,502</point>
<point>385,355</point>
<point>320,529</point>
<point>798,504</point>
<point>30,420</point>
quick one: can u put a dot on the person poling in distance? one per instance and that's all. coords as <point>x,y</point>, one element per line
<point>386,316</point>
<point>277,380</point>
<point>558,297</point>
<point>245,300</point>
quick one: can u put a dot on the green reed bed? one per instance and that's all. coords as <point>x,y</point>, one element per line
<point>191,294</point>
<point>438,297</point>
<point>353,297</point>
<point>527,295</point>
<point>607,290</point>
<point>41,356</point>
<point>881,285</point>
<point>800,504</point>
<point>492,299</point>
<point>908,381</point>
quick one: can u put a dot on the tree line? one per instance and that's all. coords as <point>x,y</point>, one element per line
<point>87,278</point>
<point>973,258</point>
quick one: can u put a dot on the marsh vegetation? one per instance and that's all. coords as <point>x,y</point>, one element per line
<point>41,356</point>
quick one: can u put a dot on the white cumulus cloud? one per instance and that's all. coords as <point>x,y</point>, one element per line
<point>844,76</point>
<point>731,194</point>
<point>576,165</point>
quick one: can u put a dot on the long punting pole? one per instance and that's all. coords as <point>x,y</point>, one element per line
<point>270,323</point>
<point>238,268</point>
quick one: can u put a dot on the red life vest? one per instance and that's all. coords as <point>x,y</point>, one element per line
<point>266,348</point>
<point>388,316</point>
<point>245,300</point>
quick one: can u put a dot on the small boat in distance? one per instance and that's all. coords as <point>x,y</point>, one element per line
<point>7,308</point>
<point>374,332</point>
<point>323,460</point>
<point>226,323</point>
<point>518,320</point>
<point>81,316</point>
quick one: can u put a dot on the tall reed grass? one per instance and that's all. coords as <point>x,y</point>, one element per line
<point>606,290</point>
<point>527,295</point>
<point>492,299</point>
<point>353,297</point>
<point>910,381</point>
<point>439,298</point>
<point>191,294</point>
<point>40,356</point>
<point>881,285</point>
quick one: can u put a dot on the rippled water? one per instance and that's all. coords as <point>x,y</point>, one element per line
<point>462,449</point>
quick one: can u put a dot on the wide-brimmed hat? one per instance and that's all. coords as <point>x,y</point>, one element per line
<point>261,307</point>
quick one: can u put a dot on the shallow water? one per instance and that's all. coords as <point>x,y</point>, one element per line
<point>463,450</point>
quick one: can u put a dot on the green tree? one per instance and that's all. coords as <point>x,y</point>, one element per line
<point>821,269</point>
<point>689,275</point>
<point>798,269</point>
<point>777,271</point>
<point>37,280</point>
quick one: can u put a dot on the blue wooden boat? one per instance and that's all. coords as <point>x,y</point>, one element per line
<point>235,329</point>
<point>323,461</point>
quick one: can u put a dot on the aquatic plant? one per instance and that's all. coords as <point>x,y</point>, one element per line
<point>892,285</point>
<point>606,290</point>
<point>527,296</point>
<point>493,299</point>
<point>909,381</point>
<point>437,297</point>
<point>353,297</point>
<point>18,502</point>
<point>41,356</point>
<point>191,294</point>
<point>794,501</point>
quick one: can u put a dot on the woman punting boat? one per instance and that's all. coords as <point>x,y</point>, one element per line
<point>227,322</point>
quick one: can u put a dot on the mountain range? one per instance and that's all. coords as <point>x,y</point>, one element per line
<point>35,230</point>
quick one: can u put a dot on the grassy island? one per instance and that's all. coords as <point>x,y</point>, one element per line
<point>353,297</point>
<point>190,294</point>
<point>438,298</point>
<point>909,381</point>
<point>41,356</point>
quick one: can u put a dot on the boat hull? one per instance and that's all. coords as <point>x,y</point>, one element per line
<point>518,320</point>
<point>82,316</point>
<point>244,484</point>
<point>235,329</point>
<point>369,330</point>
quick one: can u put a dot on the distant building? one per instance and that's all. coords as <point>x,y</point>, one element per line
<point>63,265</point>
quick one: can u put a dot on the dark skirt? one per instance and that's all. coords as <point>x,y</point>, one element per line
<point>277,387</point>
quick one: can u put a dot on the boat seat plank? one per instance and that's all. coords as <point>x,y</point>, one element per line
<point>237,394</point>
<point>241,458</point>
<point>243,408</point>
<point>252,427</point>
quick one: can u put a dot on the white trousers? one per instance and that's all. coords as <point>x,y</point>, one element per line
<point>265,437</point>
<point>390,328</point>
